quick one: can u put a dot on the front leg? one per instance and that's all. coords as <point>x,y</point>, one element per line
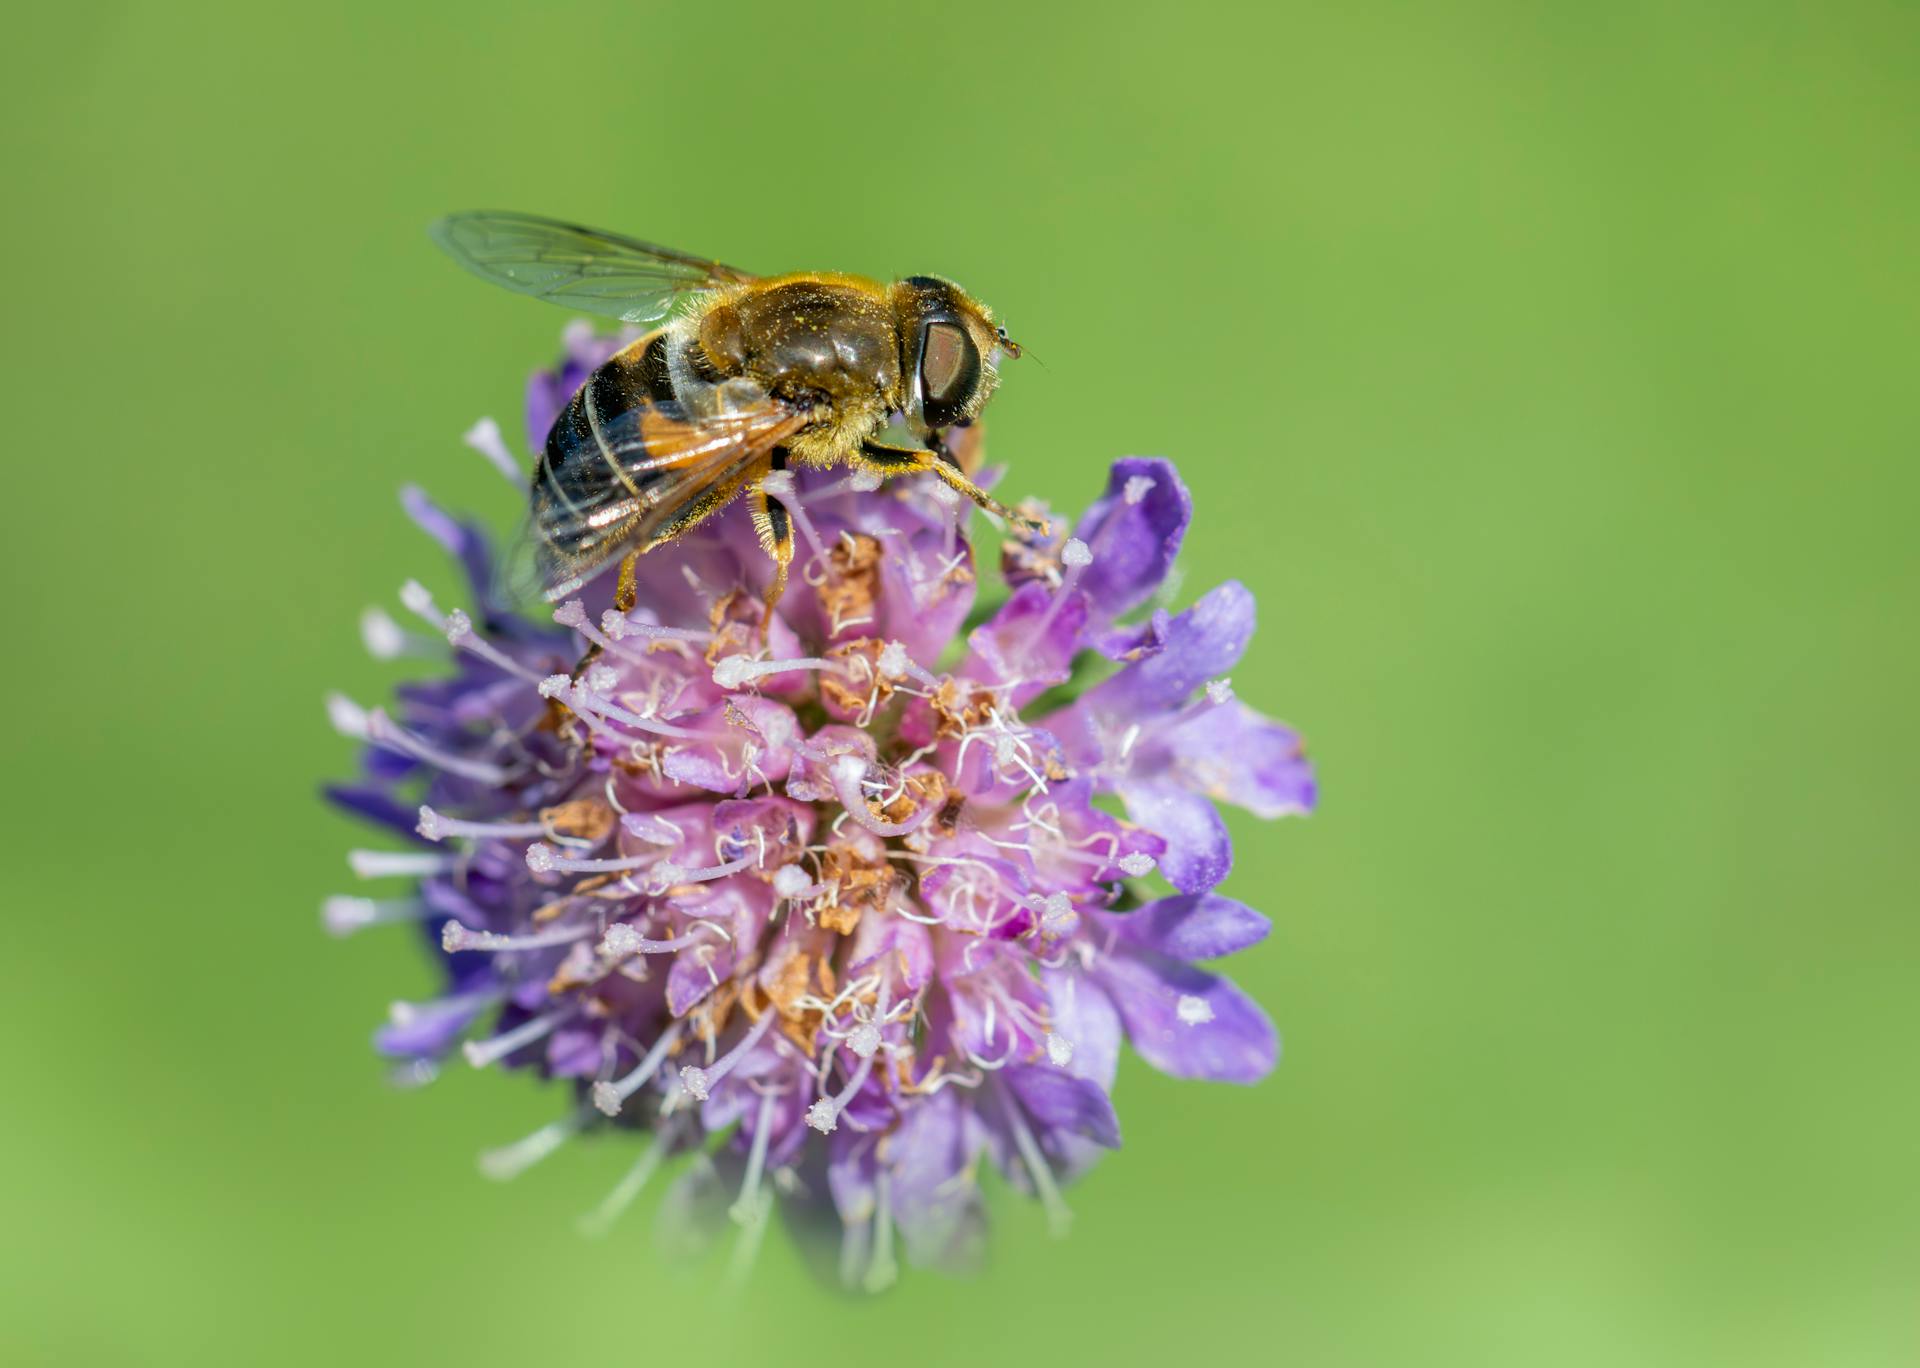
<point>888,461</point>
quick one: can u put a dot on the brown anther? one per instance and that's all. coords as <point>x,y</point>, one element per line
<point>851,585</point>
<point>587,819</point>
<point>862,685</point>
<point>734,618</point>
<point>957,710</point>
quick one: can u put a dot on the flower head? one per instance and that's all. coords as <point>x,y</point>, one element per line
<point>832,903</point>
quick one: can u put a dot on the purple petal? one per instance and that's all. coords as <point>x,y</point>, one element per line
<point>1235,754</point>
<point>1064,1103</point>
<point>936,1205</point>
<point>1134,539</point>
<point>1199,851</point>
<point>1187,1022</point>
<point>1085,1017</point>
<point>1203,643</point>
<point>1032,638</point>
<point>1195,926</point>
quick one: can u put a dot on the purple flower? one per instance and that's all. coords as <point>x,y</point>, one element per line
<point>834,920</point>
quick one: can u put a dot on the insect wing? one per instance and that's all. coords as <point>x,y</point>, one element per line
<point>578,268</point>
<point>652,474</point>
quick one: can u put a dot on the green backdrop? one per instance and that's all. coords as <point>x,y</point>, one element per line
<point>1547,370</point>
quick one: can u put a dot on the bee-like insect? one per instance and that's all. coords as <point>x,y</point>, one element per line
<point>756,374</point>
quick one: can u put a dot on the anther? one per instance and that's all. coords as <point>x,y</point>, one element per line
<point>1075,554</point>
<point>1059,1050</point>
<point>348,717</point>
<point>700,1082</point>
<point>824,1115</point>
<point>1136,865</point>
<point>610,1097</point>
<point>436,826</point>
<point>1220,690</point>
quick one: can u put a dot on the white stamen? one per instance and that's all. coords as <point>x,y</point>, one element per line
<point>1136,865</point>
<point>399,864</point>
<point>618,627</point>
<point>1194,1011</point>
<point>734,671</point>
<point>347,717</point>
<point>386,732</point>
<point>1220,690</point>
<point>1059,1050</point>
<point>1059,1217</point>
<point>415,598</point>
<point>1137,488</point>
<point>342,915</point>
<point>601,1218</point>
<point>778,483</point>
<point>610,1097</point>
<point>437,826</point>
<point>481,1053</point>
<point>510,1161</point>
<point>454,938</point>
<point>1075,553</point>
<point>747,1207</point>
<point>386,639</point>
<point>484,437</point>
<point>884,1269</point>
<point>824,1115</point>
<point>461,636</point>
<point>701,1082</point>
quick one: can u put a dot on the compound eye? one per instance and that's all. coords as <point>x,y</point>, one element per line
<point>949,369</point>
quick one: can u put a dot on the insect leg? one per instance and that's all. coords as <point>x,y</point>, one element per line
<point>775,530</point>
<point>626,590</point>
<point>889,461</point>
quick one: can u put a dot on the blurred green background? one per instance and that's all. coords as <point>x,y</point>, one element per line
<point>1547,369</point>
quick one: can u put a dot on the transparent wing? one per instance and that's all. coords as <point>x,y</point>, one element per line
<point>652,475</point>
<point>578,268</point>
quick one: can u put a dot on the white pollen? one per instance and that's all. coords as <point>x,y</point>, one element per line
<point>864,481</point>
<point>893,660</point>
<point>381,635</point>
<point>1057,917</point>
<point>1137,865</point>
<point>1220,690</point>
<point>1137,488</point>
<point>864,1040</point>
<point>607,1098</point>
<point>555,685</point>
<point>1076,553</point>
<point>572,613</point>
<point>1194,1011</point>
<point>459,626</point>
<point>1059,1050</point>
<point>540,857</point>
<point>823,1116</point>
<point>730,672</point>
<point>621,940</point>
<point>667,873</point>
<point>778,482</point>
<point>429,826</point>
<point>790,881</point>
<point>694,1079</point>
<point>348,717</point>
<point>603,679</point>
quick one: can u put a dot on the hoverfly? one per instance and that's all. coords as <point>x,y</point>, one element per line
<point>758,373</point>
